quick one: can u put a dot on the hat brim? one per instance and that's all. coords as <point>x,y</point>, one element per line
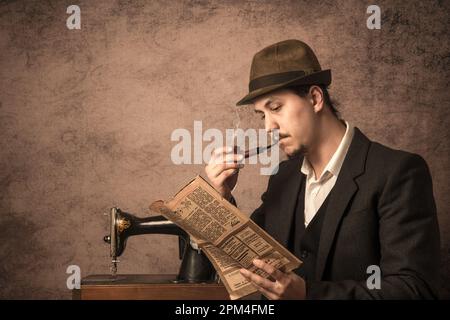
<point>321,77</point>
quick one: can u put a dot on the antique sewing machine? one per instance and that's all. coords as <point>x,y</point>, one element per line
<point>196,278</point>
<point>195,266</point>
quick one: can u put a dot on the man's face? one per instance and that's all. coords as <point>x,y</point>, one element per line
<point>292,115</point>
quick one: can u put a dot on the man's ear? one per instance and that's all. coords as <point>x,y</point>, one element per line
<point>316,94</point>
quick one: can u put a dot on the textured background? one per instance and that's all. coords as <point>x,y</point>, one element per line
<point>86,115</point>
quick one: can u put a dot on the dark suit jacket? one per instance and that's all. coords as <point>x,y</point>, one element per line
<point>381,211</point>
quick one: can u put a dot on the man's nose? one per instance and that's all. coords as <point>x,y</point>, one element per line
<point>270,124</point>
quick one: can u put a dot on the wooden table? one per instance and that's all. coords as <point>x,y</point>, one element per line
<point>146,287</point>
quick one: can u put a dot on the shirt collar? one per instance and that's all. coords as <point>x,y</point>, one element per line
<point>334,165</point>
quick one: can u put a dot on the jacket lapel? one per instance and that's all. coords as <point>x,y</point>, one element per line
<point>340,196</point>
<point>278,223</point>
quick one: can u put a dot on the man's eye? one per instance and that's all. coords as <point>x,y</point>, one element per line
<point>263,116</point>
<point>276,107</point>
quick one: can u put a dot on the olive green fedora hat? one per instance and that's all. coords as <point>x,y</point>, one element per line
<point>284,64</point>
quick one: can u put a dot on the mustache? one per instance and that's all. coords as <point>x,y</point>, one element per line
<point>283,135</point>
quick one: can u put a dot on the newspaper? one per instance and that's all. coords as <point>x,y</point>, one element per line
<point>228,237</point>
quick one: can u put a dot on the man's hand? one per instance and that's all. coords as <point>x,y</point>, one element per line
<point>286,285</point>
<point>222,170</point>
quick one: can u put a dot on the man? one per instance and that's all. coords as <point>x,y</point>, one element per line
<point>342,203</point>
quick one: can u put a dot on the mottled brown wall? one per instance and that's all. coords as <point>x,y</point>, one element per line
<point>86,115</point>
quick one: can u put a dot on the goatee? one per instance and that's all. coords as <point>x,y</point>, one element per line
<point>302,151</point>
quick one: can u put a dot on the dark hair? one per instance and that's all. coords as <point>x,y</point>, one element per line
<point>302,91</point>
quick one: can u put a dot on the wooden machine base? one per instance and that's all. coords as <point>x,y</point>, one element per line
<point>146,287</point>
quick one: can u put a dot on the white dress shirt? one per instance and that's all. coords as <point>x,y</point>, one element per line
<point>317,190</point>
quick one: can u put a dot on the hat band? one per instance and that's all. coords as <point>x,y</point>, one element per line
<point>273,79</point>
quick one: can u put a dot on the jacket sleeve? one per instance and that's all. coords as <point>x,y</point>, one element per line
<point>409,241</point>
<point>258,216</point>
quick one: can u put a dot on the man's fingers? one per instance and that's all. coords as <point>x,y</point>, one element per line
<point>272,271</point>
<point>225,154</point>
<point>226,169</point>
<point>226,158</point>
<point>258,280</point>
<point>219,153</point>
<point>267,293</point>
<point>222,150</point>
<point>266,287</point>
